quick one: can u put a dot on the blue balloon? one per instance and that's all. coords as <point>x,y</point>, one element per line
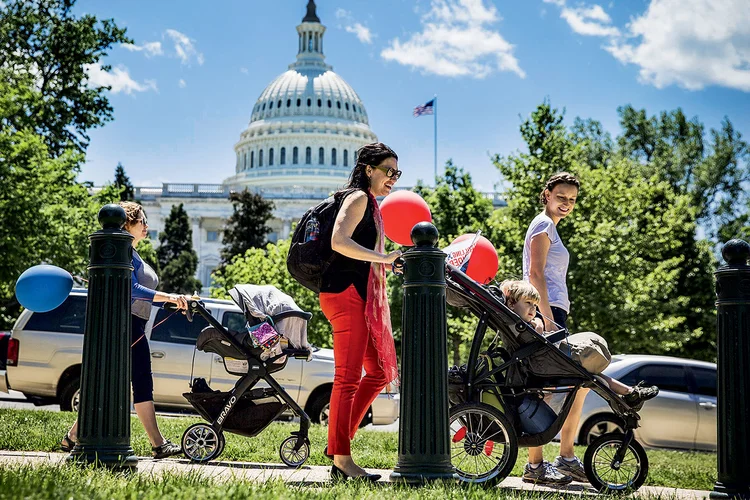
<point>43,288</point>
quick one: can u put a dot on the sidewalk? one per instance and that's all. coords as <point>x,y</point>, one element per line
<point>311,475</point>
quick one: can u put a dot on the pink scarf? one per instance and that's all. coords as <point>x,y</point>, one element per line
<point>377,310</point>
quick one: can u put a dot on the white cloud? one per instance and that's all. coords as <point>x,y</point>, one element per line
<point>182,83</point>
<point>363,32</point>
<point>183,46</point>
<point>150,48</point>
<point>690,43</point>
<point>244,71</point>
<point>589,21</point>
<point>456,40</point>
<point>118,79</point>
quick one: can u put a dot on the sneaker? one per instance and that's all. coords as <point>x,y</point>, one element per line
<point>572,467</point>
<point>168,449</point>
<point>545,473</point>
<point>640,394</point>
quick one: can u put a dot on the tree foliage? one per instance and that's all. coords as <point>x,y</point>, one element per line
<point>638,273</point>
<point>44,41</point>
<point>122,182</point>
<point>457,208</point>
<point>246,228</point>
<point>177,259</point>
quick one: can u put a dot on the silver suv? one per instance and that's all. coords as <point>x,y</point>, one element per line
<point>45,349</point>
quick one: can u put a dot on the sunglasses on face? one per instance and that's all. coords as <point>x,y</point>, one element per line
<point>144,220</point>
<point>389,172</point>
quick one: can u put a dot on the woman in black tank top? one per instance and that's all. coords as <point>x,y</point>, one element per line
<point>353,299</point>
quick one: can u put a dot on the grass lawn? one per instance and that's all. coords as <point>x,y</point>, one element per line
<point>29,430</point>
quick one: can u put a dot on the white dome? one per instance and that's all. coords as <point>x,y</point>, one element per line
<point>312,94</point>
<point>305,127</point>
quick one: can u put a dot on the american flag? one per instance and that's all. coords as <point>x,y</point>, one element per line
<point>424,109</point>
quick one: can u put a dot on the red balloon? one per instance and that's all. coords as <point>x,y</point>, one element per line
<point>483,262</point>
<point>401,211</point>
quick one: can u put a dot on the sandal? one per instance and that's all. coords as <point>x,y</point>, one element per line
<point>67,444</point>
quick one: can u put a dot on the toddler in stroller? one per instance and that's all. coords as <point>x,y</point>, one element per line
<point>498,398</point>
<point>253,354</point>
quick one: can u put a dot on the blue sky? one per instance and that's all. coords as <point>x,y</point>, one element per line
<point>185,91</point>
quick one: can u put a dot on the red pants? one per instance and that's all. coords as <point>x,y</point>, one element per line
<point>352,350</point>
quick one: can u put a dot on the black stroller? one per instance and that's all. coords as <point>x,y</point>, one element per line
<point>244,410</point>
<point>499,398</point>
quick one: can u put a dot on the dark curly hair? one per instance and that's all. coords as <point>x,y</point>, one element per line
<point>557,179</point>
<point>370,154</point>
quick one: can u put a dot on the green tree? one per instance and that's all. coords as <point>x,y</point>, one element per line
<point>246,228</point>
<point>122,182</point>
<point>632,238</point>
<point>267,266</point>
<point>177,259</point>
<point>45,40</point>
<point>457,208</point>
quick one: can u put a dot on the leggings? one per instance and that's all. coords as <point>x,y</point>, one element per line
<point>140,363</point>
<point>353,350</point>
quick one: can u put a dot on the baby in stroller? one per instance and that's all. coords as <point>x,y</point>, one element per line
<point>499,397</point>
<point>590,351</point>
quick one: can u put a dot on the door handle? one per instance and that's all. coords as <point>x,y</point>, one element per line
<point>158,354</point>
<point>708,405</point>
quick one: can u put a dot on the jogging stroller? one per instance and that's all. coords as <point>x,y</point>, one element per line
<point>247,410</point>
<point>499,399</point>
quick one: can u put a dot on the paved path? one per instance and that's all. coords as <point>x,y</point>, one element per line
<point>311,475</point>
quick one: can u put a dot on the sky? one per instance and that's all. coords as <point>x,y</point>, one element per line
<point>184,90</point>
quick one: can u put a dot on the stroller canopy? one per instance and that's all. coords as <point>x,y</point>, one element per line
<point>261,301</point>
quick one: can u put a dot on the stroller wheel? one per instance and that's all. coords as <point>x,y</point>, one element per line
<point>483,443</point>
<point>607,476</point>
<point>292,457</point>
<point>201,443</point>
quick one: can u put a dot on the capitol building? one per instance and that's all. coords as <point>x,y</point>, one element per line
<point>299,146</point>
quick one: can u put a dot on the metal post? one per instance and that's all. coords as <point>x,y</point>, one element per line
<point>104,410</point>
<point>733,336</point>
<point>423,436</point>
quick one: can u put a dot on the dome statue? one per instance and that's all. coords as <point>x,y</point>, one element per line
<point>305,127</point>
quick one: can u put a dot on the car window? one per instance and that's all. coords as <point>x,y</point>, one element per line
<point>233,321</point>
<point>665,377</point>
<point>171,326</point>
<point>705,381</point>
<point>69,317</point>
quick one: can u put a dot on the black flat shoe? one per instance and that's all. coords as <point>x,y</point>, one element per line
<point>67,444</point>
<point>326,454</point>
<point>339,475</point>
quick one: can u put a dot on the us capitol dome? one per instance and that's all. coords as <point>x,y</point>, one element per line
<point>299,147</point>
<point>305,127</point>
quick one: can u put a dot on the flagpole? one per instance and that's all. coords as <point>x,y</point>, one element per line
<point>434,107</point>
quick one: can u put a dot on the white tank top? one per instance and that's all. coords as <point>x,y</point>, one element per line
<point>558,258</point>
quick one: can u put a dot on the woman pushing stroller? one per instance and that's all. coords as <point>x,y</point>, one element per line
<point>545,267</point>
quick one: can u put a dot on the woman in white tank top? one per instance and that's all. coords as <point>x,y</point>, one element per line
<point>545,265</point>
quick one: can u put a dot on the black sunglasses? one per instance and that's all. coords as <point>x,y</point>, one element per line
<point>389,172</point>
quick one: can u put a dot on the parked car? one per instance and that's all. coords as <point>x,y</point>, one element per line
<point>683,415</point>
<point>44,361</point>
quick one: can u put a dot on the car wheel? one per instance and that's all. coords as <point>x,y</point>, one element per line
<point>71,395</point>
<point>319,408</point>
<point>598,426</point>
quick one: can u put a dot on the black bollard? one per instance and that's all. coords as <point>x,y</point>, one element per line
<point>423,436</point>
<point>733,335</point>
<point>104,410</point>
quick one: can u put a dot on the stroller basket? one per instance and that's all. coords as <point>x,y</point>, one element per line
<point>247,418</point>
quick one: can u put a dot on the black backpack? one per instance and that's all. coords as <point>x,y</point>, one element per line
<point>310,253</point>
